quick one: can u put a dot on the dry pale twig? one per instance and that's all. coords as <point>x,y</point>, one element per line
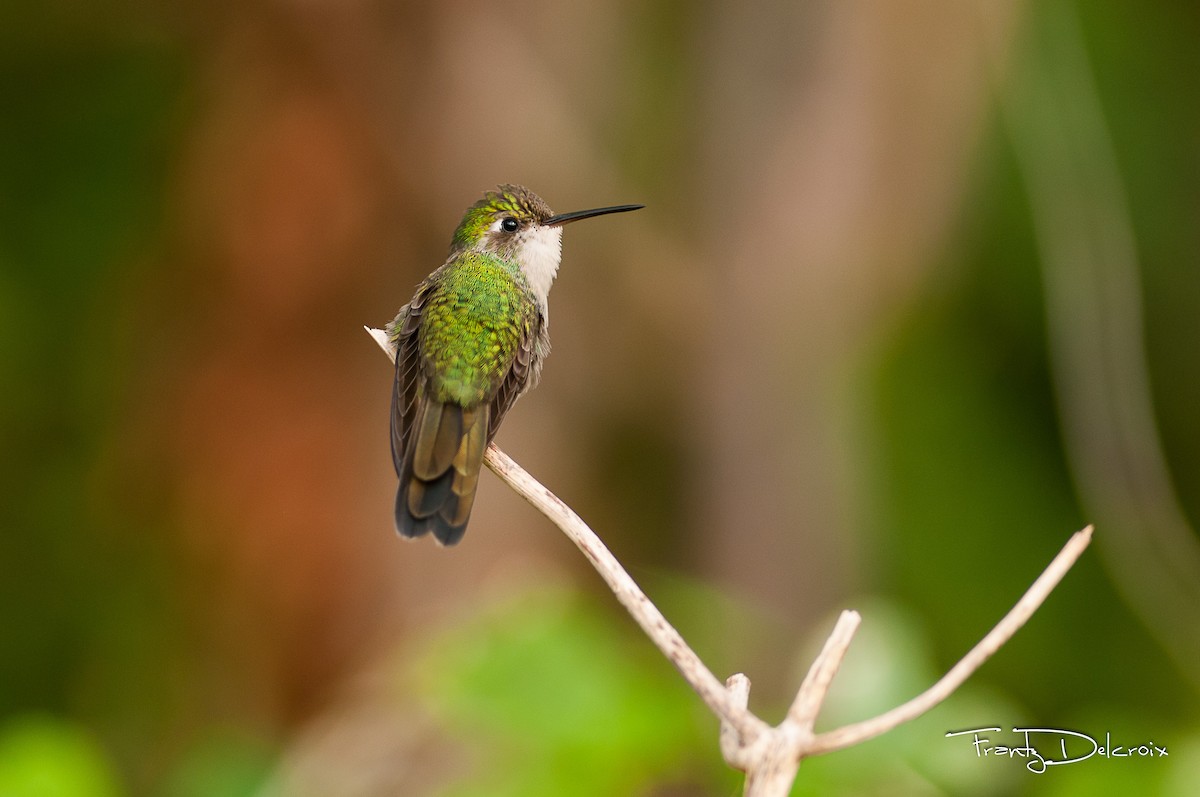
<point>647,615</point>
<point>733,745</point>
<point>1004,630</point>
<point>807,704</point>
<point>770,756</point>
<point>772,763</point>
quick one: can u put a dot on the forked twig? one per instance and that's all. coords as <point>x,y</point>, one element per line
<point>770,756</point>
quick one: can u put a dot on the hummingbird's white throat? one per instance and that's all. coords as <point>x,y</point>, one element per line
<point>539,254</point>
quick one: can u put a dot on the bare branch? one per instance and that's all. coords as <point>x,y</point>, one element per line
<point>647,615</point>
<point>1016,617</point>
<point>770,756</point>
<point>816,684</point>
<point>626,590</point>
<point>733,747</point>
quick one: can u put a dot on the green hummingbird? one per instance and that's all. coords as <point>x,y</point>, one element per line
<point>470,342</point>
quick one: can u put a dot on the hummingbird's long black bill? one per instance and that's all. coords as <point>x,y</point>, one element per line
<point>576,215</point>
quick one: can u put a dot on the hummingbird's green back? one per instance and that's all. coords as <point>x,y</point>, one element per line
<point>479,309</point>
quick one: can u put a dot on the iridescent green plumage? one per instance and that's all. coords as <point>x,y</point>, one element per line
<point>470,342</point>
<point>475,317</point>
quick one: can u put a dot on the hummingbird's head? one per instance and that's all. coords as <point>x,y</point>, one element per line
<point>516,224</point>
<point>501,222</point>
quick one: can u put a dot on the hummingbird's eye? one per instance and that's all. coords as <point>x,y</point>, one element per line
<point>510,224</point>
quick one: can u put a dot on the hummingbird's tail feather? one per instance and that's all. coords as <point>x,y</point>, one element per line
<point>441,471</point>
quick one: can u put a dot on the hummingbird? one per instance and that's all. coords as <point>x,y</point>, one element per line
<point>470,342</point>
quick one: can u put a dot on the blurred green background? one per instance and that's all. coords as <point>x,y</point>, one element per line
<point>914,297</point>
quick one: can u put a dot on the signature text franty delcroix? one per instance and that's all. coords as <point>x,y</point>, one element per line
<point>1043,748</point>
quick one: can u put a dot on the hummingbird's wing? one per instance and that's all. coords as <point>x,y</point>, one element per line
<point>524,373</point>
<point>408,371</point>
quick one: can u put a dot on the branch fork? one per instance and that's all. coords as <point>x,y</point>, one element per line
<point>769,755</point>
